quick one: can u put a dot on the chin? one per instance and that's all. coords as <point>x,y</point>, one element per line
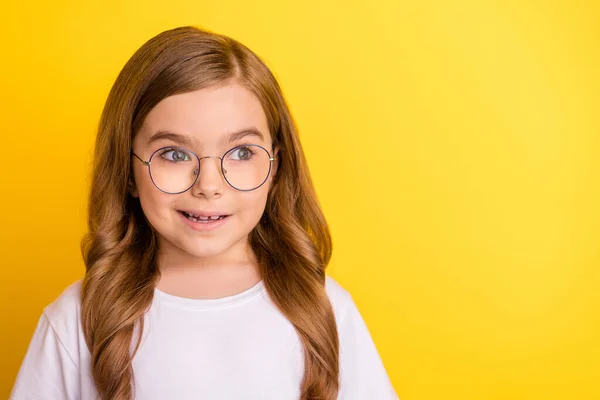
<point>203,253</point>
<point>201,248</point>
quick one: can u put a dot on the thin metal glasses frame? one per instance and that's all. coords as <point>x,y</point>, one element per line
<point>147,164</point>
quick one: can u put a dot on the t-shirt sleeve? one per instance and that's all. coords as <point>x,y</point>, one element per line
<point>363,375</point>
<point>48,371</point>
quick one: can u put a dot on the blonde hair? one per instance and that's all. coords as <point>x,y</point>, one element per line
<point>291,241</point>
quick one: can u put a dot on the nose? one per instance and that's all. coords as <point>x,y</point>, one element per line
<point>211,180</point>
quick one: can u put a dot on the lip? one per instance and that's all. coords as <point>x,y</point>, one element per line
<point>203,226</point>
<point>206,213</point>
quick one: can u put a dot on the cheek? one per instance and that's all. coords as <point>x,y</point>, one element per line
<point>156,209</point>
<point>154,202</point>
<point>250,208</point>
<point>254,202</point>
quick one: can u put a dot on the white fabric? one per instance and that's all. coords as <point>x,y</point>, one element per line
<point>236,347</point>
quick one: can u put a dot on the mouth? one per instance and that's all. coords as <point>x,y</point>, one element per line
<point>202,219</point>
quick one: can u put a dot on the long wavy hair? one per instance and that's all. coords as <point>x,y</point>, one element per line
<point>292,240</point>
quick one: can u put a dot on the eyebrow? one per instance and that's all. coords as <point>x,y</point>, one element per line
<point>189,141</point>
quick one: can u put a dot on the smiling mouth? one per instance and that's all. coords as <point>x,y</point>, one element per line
<point>203,220</point>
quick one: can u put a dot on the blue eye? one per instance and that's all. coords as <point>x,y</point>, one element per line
<point>175,155</point>
<point>242,153</point>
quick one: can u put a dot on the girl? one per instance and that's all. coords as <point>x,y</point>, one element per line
<point>206,252</point>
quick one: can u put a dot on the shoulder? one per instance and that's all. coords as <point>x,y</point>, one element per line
<point>340,298</point>
<point>52,366</point>
<point>64,312</point>
<point>363,375</point>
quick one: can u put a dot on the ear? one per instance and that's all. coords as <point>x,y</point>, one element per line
<point>132,188</point>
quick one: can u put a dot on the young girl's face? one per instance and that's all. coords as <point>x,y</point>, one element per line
<point>203,122</point>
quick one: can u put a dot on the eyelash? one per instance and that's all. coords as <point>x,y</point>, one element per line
<point>243,144</point>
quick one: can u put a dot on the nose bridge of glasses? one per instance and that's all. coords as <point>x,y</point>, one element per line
<point>218,166</point>
<point>200,158</point>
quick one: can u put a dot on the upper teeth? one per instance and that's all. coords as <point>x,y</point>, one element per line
<point>202,217</point>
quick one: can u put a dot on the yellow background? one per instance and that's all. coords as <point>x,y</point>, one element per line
<point>454,146</point>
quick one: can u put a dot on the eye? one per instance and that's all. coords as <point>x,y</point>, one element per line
<point>175,155</point>
<point>242,153</point>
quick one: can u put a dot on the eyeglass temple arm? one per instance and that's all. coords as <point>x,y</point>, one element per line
<point>146,163</point>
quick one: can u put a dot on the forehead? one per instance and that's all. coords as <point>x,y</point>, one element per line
<point>207,116</point>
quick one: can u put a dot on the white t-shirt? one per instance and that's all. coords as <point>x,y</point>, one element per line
<point>236,347</point>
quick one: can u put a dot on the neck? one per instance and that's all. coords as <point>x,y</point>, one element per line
<point>214,276</point>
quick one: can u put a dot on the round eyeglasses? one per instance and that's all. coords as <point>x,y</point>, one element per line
<point>175,169</point>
